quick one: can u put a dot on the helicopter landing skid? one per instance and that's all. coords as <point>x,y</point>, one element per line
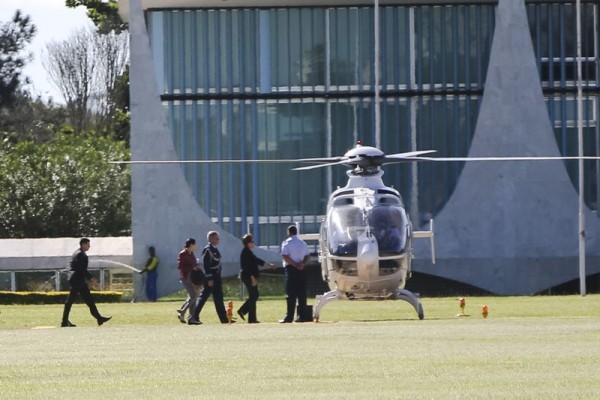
<point>399,294</point>
<point>324,299</point>
<point>403,294</point>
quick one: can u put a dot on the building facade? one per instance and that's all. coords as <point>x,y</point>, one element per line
<point>286,80</point>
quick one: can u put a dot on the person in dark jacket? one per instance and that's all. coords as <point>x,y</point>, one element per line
<point>78,281</point>
<point>211,258</point>
<point>249,264</point>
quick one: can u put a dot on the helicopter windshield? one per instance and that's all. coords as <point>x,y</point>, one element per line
<point>389,226</point>
<point>346,224</point>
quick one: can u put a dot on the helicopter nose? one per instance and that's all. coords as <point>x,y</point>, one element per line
<point>368,259</point>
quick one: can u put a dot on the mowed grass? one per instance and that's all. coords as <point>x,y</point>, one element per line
<point>527,348</point>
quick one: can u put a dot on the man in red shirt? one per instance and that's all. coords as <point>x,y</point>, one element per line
<point>186,262</point>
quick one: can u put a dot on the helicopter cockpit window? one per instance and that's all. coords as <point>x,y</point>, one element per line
<point>389,200</point>
<point>345,225</point>
<point>343,202</point>
<point>389,226</point>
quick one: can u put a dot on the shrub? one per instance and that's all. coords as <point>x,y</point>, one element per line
<point>7,297</point>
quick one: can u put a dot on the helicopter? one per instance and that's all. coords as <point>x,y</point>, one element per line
<point>365,239</point>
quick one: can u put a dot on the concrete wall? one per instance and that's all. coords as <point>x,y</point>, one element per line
<point>512,227</point>
<point>164,211</point>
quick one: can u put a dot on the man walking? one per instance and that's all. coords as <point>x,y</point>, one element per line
<point>211,257</point>
<point>78,281</point>
<point>186,263</point>
<point>295,256</point>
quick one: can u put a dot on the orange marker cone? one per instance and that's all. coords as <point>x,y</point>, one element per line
<point>484,311</point>
<point>230,311</point>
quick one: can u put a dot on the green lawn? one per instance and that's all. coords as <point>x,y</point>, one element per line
<point>528,347</point>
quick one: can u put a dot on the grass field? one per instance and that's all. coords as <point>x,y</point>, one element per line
<point>528,348</point>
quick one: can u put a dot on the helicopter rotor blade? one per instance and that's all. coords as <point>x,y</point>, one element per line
<point>275,161</point>
<point>306,168</point>
<point>409,154</point>
<point>523,158</point>
<point>332,161</point>
<point>404,157</point>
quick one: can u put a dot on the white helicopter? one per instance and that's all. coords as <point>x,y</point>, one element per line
<point>365,241</point>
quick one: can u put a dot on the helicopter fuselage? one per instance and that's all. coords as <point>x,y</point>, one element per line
<point>365,247</point>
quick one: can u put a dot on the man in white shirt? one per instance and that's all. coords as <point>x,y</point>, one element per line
<point>295,256</point>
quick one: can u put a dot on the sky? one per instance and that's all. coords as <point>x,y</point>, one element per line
<point>54,22</point>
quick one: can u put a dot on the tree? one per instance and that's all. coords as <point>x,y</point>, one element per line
<point>66,187</point>
<point>104,14</point>
<point>112,53</point>
<point>14,36</point>
<point>31,119</point>
<point>86,69</point>
<point>71,66</point>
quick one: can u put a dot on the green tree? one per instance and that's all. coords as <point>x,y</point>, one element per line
<point>14,36</point>
<point>66,187</point>
<point>104,14</point>
<point>31,119</point>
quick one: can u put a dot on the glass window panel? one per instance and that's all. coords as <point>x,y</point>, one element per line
<point>453,44</point>
<point>395,46</point>
<point>351,36</point>
<point>554,35</point>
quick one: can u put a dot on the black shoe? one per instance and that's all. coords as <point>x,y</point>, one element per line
<point>285,321</point>
<point>102,320</point>
<point>67,324</point>
<point>181,317</point>
<point>241,315</point>
<point>194,322</point>
<point>254,322</point>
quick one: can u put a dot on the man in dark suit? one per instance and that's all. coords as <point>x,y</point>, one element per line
<point>78,281</point>
<point>211,257</point>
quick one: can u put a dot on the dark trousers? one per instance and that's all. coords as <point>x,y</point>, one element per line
<point>151,285</point>
<point>295,290</point>
<point>82,289</point>
<point>217,293</point>
<point>249,307</point>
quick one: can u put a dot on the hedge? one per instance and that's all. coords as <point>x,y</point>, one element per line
<point>7,297</point>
